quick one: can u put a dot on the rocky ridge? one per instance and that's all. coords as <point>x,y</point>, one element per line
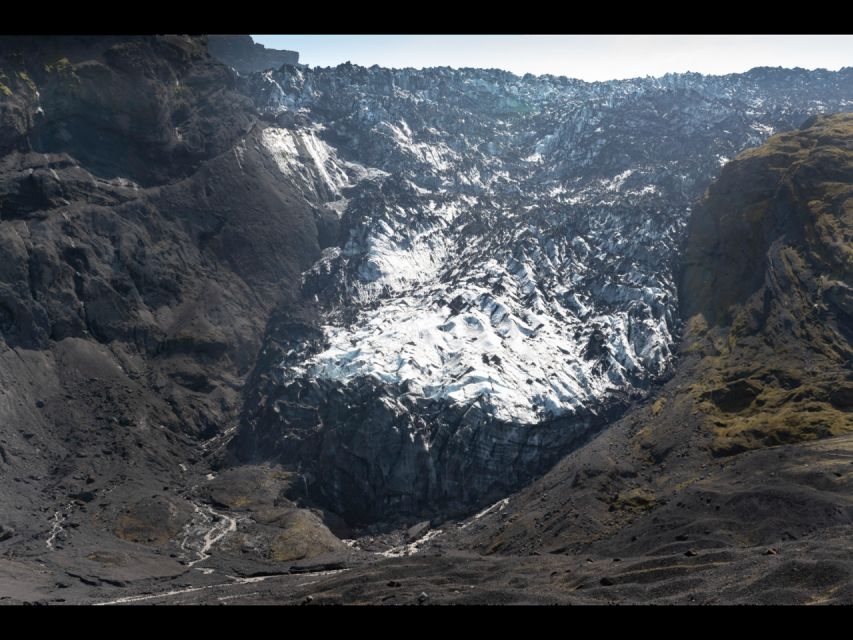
<point>749,444</point>
<point>246,56</point>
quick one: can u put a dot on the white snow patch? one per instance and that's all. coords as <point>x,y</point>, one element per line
<point>413,547</point>
<point>57,527</point>
<point>500,505</point>
<point>763,129</point>
<point>314,165</point>
<point>615,183</point>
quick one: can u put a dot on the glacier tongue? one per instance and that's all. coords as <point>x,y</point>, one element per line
<point>498,279</point>
<point>495,316</point>
<point>513,242</point>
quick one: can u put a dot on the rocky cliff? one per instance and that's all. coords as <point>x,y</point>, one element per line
<point>145,236</point>
<point>732,483</point>
<point>766,291</point>
<point>246,56</point>
<point>234,308</point>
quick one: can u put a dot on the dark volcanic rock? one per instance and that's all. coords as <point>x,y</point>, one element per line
<point>249,487</point>
<point>247,56</point>
<point>368,467</point>
<point>409,293</point>
<point>768,251</point>
<point>145,237</point>
<point>148,109</point>
<point>153,521</point>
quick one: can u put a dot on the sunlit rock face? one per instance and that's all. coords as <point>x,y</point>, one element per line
<point>498,277</point>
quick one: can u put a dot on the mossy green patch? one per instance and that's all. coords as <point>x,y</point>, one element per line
<point>785,425</point>
<point>62,65</point>
<point>152,521</point>
<point>303,536</point>
<point>248,487</point>
<point>768,289</point>
<point>28,81</point>
<point>638,499</point>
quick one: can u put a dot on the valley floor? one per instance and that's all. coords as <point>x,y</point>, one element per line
<point>816,570</point>
<point>684,553</point>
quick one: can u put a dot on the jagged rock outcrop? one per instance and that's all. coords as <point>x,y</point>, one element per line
<point>499,271</point>
<point>246,56</point>
<point>408,293</point>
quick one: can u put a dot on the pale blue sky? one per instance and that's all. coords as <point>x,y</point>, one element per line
<point>589,57</point>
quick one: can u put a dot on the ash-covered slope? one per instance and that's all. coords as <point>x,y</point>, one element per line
<point>498,279</point>
<point>178,253</point>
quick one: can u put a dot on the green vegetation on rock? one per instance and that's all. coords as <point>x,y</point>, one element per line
<point>60,66</point>
<point>766,291</point>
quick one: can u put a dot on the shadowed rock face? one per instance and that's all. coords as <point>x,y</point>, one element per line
<point>766,289</point>
<point>368,467</point>
<point>163,281</point>
<point>247,56</point>
<point>145,237</point>
<point>143,109</point>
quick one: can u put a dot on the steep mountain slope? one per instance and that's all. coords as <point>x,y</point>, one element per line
<point>500,276</point>
<point>777,277</point>
<point>145,237</point>
<point>733,483</point>
<point>766,362</point>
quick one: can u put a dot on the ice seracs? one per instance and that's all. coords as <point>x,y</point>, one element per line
<point>511,246</point>
<point>498,281</point>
